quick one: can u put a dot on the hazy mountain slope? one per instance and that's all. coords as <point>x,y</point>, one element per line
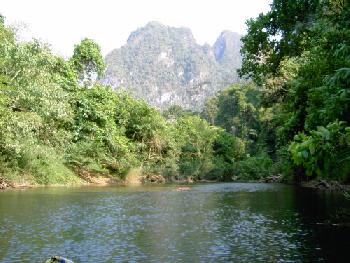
<point>165,66</point>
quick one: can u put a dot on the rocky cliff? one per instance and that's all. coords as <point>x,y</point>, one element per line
<point>165,66</point>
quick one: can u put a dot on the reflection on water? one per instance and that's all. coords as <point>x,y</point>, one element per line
<point>208,223</point>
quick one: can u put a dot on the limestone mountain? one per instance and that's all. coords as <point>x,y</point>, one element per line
<point>227,50</point>
<point>165,66</point>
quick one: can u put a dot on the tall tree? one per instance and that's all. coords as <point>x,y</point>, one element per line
<point>299,52</point>
<point>88,61</point>
<point>281,32</point>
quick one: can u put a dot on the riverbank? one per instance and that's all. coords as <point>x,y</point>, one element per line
<point>88,178</point>
<point>330,185</point>
<point>28,182</point>
<point>136,177</point>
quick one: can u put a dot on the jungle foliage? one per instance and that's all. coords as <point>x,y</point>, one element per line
<point>57,121</point>
<point>298,54</point>
<point>290,117</point>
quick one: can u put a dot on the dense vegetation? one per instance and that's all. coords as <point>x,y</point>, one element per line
<point>297,115</point>
<point>238,110</point>
<point>58,124</point>
<point>290,117</point>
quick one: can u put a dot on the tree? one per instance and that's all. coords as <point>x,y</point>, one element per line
<point>299,53</point>
<point>88,61</point>
<point>281,32</point>
<point>235,109</point>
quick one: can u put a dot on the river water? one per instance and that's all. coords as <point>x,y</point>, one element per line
<point>229,222</point>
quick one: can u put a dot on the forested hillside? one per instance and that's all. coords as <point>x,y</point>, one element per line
<point>165,66</point>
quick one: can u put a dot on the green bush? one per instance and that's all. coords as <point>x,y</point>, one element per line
<point>46,166</point>
<point>325,153</point>
<point>253,168</point>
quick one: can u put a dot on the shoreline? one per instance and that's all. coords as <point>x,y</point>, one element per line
<point>328,185</point>
<point>105,180</point>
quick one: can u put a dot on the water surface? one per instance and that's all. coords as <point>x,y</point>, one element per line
<point>230,222</point>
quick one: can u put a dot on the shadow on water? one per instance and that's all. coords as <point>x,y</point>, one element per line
<point>208,223</point>
<point>326,215</point>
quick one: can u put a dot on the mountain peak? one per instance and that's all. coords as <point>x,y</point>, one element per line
<point>154,24</point>
<point>227,45</point>
<point>229,33</point>
<point>154,30</point>
<point>166,66</point>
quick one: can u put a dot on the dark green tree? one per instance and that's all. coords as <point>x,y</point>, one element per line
<point>281,32</point>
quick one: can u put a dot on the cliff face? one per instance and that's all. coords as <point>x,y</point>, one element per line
<point>226,48</point>
<point>165,66</point>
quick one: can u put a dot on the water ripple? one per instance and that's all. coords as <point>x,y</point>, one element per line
<point>208,223</point>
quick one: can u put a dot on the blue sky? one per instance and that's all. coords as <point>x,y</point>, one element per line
<point>63,23</point>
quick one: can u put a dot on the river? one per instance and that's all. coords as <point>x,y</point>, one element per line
<point>228,222</point>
